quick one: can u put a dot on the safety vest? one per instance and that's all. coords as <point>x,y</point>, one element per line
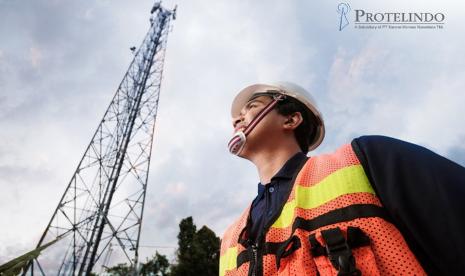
<point>332,224</point>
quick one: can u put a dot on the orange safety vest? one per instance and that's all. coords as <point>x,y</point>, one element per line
<point>332,224</point>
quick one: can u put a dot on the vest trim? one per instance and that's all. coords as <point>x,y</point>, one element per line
<point>348,213</point>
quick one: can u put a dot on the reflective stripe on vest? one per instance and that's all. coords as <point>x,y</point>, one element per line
<point>331,191</point>
<point>331,187</point>
<point>228,260</point>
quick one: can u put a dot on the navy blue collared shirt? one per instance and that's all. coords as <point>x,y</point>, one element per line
<point>272,196</point>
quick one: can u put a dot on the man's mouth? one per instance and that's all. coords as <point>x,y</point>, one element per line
<point>239,128</point>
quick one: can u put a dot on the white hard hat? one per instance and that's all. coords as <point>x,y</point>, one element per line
<point>288,89</point>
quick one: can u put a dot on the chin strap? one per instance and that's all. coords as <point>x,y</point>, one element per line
<point>237,142</point>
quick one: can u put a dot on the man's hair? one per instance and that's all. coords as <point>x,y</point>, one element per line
<point>306,131</point>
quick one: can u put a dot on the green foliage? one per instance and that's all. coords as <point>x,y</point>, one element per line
<point>158,266</point>
<point>198,252</point>
<point>119,270</point>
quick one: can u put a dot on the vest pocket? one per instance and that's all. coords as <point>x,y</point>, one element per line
<point>343,252</point>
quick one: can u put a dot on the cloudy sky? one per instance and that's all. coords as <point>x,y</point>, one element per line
<point>61,62</point>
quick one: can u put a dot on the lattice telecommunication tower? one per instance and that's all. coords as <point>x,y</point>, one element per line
<point>98,219</point>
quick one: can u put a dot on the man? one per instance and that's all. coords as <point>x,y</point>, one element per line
<point>377,206</point>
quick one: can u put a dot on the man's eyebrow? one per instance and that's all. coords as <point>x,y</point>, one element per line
<point>254,100</point>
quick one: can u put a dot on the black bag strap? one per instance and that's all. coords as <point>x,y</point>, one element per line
<point>287,248</point>
<point>316,248</point>
<point>339,252</point>
<point>356,237</point>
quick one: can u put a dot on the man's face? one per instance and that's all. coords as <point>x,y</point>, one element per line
<point>266,130</point>
<point>249,112</point>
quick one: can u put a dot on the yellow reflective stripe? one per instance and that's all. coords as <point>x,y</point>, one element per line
<point>285,219</point>
<point>347,180</point>
<point>228,260</point>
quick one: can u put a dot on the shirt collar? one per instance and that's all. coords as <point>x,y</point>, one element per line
<point>261,190</point>
<point>290,167</point>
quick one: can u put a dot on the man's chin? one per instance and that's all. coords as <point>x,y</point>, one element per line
<point>245,153</point>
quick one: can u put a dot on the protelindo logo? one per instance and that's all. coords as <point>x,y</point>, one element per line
<point>389,20</point>
<point>398,17</point>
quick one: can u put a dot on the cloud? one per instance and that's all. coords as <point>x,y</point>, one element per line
<point>389,87</point>
<point>402,84</point>
<point>35,56</point>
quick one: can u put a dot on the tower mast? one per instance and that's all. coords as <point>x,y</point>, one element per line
<point>101,210</point>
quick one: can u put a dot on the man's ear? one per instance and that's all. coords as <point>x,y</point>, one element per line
<point>293,121</point>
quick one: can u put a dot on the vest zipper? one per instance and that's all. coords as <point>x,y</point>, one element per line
<point>255,259</point>
<point>257,252</point>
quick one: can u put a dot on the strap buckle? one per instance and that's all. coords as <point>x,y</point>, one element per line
<point>339,252</point>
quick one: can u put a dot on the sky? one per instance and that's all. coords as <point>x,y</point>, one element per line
<point>61,62</point>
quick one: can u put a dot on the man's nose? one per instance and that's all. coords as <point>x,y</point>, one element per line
<point>237,120</point>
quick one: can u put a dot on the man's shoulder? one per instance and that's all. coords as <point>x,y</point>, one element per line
<point>383,147</point>
<point>379,140</point>
<point>370,142</point>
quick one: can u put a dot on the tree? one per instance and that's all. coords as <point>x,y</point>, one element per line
<point>198,252</point>
<point>207,246</point>
<point>119,270</point>
<point>158,266</point>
